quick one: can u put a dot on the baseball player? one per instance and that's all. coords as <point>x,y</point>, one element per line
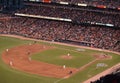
<point>64,66</point>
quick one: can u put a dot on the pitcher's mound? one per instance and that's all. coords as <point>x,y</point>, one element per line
<point>66,57</point>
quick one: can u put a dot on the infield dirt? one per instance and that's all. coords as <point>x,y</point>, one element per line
<point>20,58</point>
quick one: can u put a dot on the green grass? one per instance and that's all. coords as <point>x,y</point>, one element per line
<point>9,75</point>
<point>54,57</point>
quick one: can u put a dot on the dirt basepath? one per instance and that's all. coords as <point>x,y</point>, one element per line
<point>19,58</point>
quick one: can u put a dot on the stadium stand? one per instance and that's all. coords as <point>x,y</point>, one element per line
<point>71,32</point>
<point>100,37</point>
<point>109,3</point>
<point>71,13</point>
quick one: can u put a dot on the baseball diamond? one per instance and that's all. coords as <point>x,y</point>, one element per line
<point>59,41</point>
<point>48,62</point>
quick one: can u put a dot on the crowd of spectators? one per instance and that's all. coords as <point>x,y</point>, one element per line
<point>74,14</point>
<point>93,36</point>
<point>98,37</point>
<point>109,3</point>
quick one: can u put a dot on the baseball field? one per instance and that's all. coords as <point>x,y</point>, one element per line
<point>30,61</point>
